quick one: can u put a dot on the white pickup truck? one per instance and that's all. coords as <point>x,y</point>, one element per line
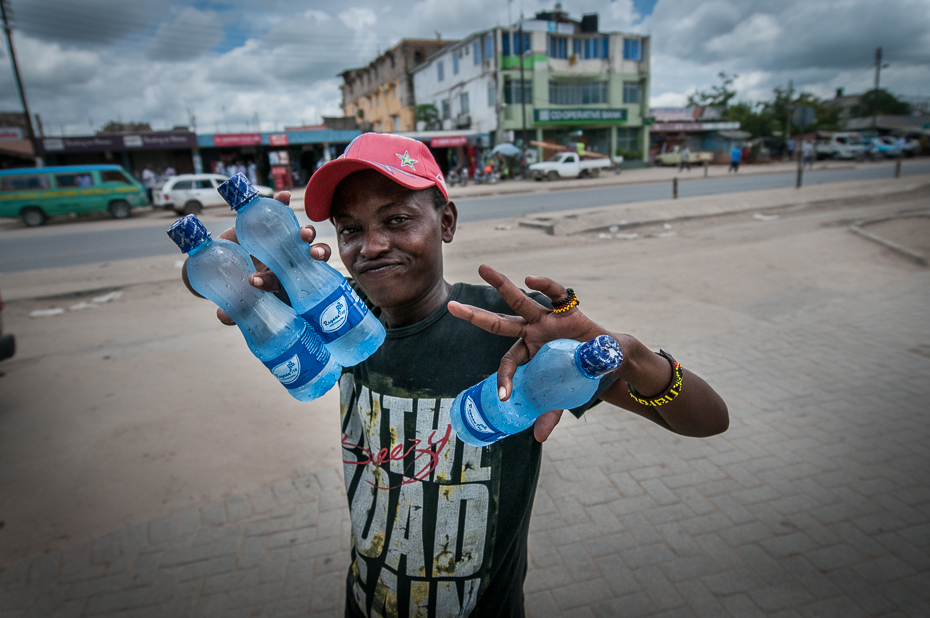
<point>841,146</point>
<point>568,165</point>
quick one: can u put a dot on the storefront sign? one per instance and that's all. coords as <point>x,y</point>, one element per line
<point>278,139</point>
<point>100,143</point>
<point>694,126</point>
<point>448,142</point>
<point>237,139</point>
<point>8,134</point>
<point>575,116</point>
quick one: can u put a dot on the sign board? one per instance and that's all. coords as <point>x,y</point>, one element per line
<point>8,134</point>
<point>278,139</point>
<point>649,120</point>
<point>576,116</point>
<point>694,126</point>
<point>166,140</point>
<point>803,116</point>
<point>448,142</point>
<point>237,139</point>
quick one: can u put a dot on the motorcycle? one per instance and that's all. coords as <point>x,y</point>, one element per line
<point>457,177</point>
<point>482,177</point>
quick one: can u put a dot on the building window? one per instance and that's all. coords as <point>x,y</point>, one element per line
<point>512,91</point>
<point>589,48</point>
<point>521,46</point>
<point>577,93</point>
<point>558,46</point>
<point>492,93</point>
<point>440,73</point>
<point>632,49</point>
<point>505,43</point>
<point>628,139</point>
<point>463,102</point>
<point>477,51</point>
<point>488,47</point>
<point>455,64</point>
<point>397,124</point>
<point>445,109</point>
<point>632,92</point>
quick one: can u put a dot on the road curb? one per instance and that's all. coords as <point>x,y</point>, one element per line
<point>917,258</point>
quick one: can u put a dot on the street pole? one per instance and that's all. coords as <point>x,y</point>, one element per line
<point>788,113</point>
<point>878,71</point>
<point>19,81</point>
<point>522,85</point>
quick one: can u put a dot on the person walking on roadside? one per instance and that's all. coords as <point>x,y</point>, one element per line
<point>807,153</point>
<point>685,159</point>
<point>148,181</point>
<point>735,155</point>
<point>440,527</point>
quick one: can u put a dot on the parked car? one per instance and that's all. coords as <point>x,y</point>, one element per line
<point>7,342</point>
<point>673,157</point>
<point>841,146</point>
<point>879,147</point>
<point>189,194</point>
<point>37,193</point>
<point>568,165</point>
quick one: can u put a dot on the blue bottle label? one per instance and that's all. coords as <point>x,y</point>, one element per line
<point>302,362</point>
<point>337,314</point>
<point>474,418</point>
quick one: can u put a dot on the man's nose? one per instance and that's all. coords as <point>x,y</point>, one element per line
<point>374,243</point>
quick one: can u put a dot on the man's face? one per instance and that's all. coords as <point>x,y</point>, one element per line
<point>390,238</point>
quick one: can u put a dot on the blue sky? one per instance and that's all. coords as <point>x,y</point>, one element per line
<point>274,63</point>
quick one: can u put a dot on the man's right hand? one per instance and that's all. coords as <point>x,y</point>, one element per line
<point>263,278</point>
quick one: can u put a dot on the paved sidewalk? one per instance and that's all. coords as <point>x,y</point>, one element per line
<point>816,502</point>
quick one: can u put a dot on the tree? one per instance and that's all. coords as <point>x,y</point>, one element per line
<point>879,102</point>
<point>428,114</point>
<point>718,96</point>
<point>751,117</point>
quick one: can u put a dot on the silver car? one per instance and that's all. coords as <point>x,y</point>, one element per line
<point>188,194</point>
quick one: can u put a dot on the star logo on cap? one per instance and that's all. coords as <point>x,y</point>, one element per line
<point>406,159</point>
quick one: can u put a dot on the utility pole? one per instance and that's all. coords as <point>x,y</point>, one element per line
<point>522,85</point>
<point>788,113</point>
<point>19,81</point>
<point>878,71</point>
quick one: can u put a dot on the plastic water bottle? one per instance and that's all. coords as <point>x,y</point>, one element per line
<point>319,294</point>
<point>219,270</point>
<point>564,374</point>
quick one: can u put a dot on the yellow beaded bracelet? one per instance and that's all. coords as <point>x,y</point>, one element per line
<point>670,393</point>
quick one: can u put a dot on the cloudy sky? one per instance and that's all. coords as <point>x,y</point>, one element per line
<point>236,65</point>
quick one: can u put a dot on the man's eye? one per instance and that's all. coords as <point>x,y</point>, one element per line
<point>345,231</point>
<point>398,219</point>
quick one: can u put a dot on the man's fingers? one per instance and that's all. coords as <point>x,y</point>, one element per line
<point>545,423</point>
<point>223,317</point>
<point>284,197</point>
<point>265,280</point>
<point>504,325</point>
<point>525,307</point>
<point>517,355</point>
<point>555,291</point>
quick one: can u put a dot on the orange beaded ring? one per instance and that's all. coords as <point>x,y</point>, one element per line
<point>566,303</point>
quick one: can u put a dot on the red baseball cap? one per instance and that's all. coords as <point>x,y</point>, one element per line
<point>404,160</point>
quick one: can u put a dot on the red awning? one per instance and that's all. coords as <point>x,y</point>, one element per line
<point>448,142</point>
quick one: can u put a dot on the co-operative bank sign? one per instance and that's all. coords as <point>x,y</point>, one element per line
<point>557,116</point>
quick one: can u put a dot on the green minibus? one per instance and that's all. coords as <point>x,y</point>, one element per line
<point>41,192</point>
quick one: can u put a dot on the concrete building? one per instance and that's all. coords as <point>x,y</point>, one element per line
<point>579,84</point>
<point>380,96</point>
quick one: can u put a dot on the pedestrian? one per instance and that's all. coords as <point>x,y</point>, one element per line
<point>791,149</point>
<point>148,181</point>
<point>252,172</point>
<point>169,172</point>
<point>231,169</point>
<point>440,527</point>
<point>240,167</point>
<point>807,153</point>
<point>685,159</point>
<point>735,155</point>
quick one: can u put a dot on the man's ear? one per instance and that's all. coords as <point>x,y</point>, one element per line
<point>450,217</point>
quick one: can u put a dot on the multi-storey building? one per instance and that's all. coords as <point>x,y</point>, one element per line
<point>380,96</point>
<point>577,85</point>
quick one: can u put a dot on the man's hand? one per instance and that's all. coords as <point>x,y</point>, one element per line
<point>263,278</point>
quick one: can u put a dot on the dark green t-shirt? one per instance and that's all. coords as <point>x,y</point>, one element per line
<point>439,527</point>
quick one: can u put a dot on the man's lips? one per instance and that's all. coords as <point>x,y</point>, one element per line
<point>375,267</point>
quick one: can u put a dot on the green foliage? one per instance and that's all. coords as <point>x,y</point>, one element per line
<point>427,113</point>
<point>629,155</point>
<point>718,96</point>
<point>879,102</point>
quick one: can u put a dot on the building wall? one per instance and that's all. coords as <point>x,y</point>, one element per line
<point>383,90</point>
<point>472,78</point>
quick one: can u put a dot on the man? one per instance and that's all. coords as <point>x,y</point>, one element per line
<point>685,159</point>
<point>735,155</point>
<point>807,153</point>
<point>148,181</point>
<point>440,527</point>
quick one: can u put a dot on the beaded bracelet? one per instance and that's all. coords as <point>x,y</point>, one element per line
<point>670,393</point>
<point>567,303</point>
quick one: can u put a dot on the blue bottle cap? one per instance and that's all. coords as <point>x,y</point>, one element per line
<point>599,356</point>
<point>188,232</point>
<point>237,191</point>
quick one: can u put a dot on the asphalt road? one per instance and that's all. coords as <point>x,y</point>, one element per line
<point>66,245</point>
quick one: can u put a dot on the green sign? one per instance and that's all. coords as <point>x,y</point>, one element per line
<point>648,120</point>
<point>575,116</point>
